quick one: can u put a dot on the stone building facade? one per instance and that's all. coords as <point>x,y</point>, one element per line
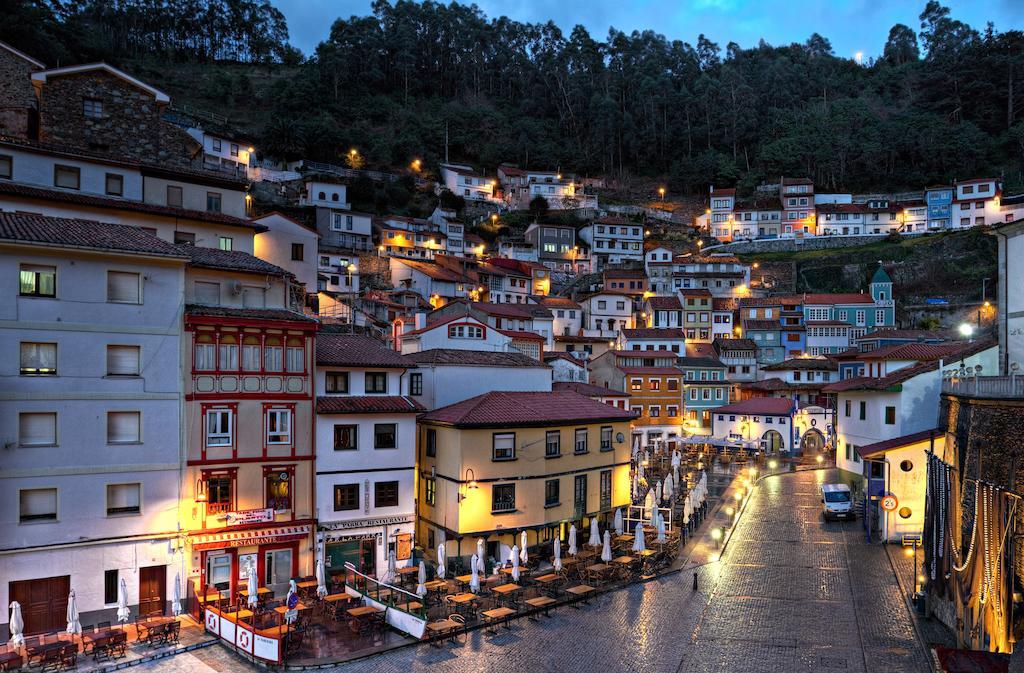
<point>17,98</point>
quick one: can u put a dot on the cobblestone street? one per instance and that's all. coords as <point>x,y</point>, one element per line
<point>791,593</point>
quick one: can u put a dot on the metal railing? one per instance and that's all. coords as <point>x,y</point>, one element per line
<point>384,593</point>
<point>985,386</point>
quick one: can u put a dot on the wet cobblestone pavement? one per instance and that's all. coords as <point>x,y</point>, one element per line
<point>790,594</point>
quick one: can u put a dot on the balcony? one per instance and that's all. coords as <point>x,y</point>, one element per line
<point>989,387</point>
<point>294,383</point>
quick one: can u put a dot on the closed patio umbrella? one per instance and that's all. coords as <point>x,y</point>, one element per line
<point>74,626</point>
<point>524,556</point>
<point>474,578</point>
<point>176,600</point>
<point>292,591</point>
<point>321,581</point>
<point>670,486</point>
<point>515,563</point>
<point>480,555</point>
<point>572,540</point>
<point>440,561</point>
<point>687,508</point>
<point>606,551</point>
<point>421,580</point>
<point>617,521</point>
<point>253,587</point>
<point>659,496</point>
<point>639,544</point>
<point>595,534</point>
<point>123,613</point>
<point>661,529</point>
<point>392,566</point>
<point>16,625</point>
<point>556,560</point>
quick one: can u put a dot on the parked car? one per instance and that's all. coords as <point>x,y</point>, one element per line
<point>836,502</point>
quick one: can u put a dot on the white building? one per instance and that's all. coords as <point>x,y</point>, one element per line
<point>771,424</point>
<point>976,202</point>
<point>289,244</point>
<point>658,265</point>
<point>91,416</point>
<point>365,455</point>
<point>444,376</point>
<point>224,153</point>
<point>607,313</point>
<point>653,339</point>
<point>468,183</point>
<point>614,240</point>
<point>565,367</point>
<point>567,315</point>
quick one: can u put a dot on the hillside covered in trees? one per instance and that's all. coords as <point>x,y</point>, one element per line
<point>944,101</point>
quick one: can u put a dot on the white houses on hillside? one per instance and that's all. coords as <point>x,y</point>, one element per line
<point>468,183</point>
<point>444,376</point>
<point>289,244</point>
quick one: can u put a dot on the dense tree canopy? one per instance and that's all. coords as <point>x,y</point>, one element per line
<point>941,103</point>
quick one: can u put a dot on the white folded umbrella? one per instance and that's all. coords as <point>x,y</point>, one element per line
<point>617,521</point>
<point>515,563</point>
<point>421,580</point>
<point>659,495</point>
<point>572,540</point>
<point>670,486</point>
<point>123,613</point>
<point>74,626</point>
<point>253,587</point>
<point>687,509</point>
<point>16,625</point>
<point>440,561</point>
<point>392,566</point>
<point>556,561</point>
<point>524,556</point>
<point>176,600</point>
<point>595,534</point>
<point>480,552</point>
<point>606,550</point>
<point>293,590</point>
<point>661,529</point>
<point>639,544</point>
<point>474,578</point>
<point>321,580</point>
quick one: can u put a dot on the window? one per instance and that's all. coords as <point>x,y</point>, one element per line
<point>655,384</point>
<point>295,355</point>
<point>416,383</point>
<point>37,504</point>
<point>6,166</point>
<point>124,287</point>
<point>385,494</point>
<point>115,184</point>
<point>552,444</point>
<point>297,252</point>
<point>218,427</point>
<point>219,493</point>
<point>376,382</point>
<point>654,411</point>
<point>92,108</point>
<point>213,202</point>
<point>124,427</point>
<point>124,499</point>
<point>279,426</point>
<point>503,446</point>
<point>606,438</point>
<point>110,586</point>
<point>385,435</point>
<point>465,332</point>
<point>234,150</point>
<point>204,352</point>
<point>906,465</point>
<point>890,415</point>
<point>37,281</point>
<point>671,411</point>
<point>579,496</point>
<point>228,352</point>
<point>606,489</point>
<point>431,440</point>
<point>279,492</point>
<point>636,384</point>
<point>336,382</point>
<point>68,177</point>
<point>346,437</point>
<point>863,411</point>
<point>38,359</point>
<point>503,498</point>
<point>551,493</point>
<point>346,497</point>
<point>580,445</point>
<point>673,384</point>
<point>272,354</point>
<point>174,196</point>
<point>37,429</point>
<point>250,353</point>
<point>225,243</point>
<point>207,293</point>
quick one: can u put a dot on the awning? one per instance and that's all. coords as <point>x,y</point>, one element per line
<point>251,537</point>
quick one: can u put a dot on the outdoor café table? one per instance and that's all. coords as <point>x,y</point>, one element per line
<point>445,628</point>
<point>462,599</point>
<point>506,590</point>
<point>281,609</point>
<point>10,661</point>
<point>623,560</point>
<point>410,606</point>
<point>464,579</point>
<point>550,578</point>
<point>408,574</point>
<point>242,613</point>
<point>497,616</point>
<point>580,592</point>
<point>275,631</point>
<point>261,593</point>
<point>598,569</point>
<point>306,584</point>
<point>332,598</point>
<point>41,649</point>
<point>542,603</point>
<point>363,610</point>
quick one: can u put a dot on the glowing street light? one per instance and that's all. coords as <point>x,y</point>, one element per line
<point>966,330</point>
<point>819,458</point>
<point>661,192</point>
<point>416,163</point>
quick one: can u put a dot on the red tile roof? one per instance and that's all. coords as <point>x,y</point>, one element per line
<point>914,351</point>
<point>723,192</point>
<point>276,314</point>
<point>759,325</point>
<point>665,303</point>
<point>234,260</point>
<point>637,352</point>
<point>435,271</point>
<point>700,350</point>
<point>797,181</point>
<point>368,404</point>
<point>83,234</point>
<point>803,364</point>
<point>524,311</point>
<point>515,409</point>
<point>466,358</point>
<point>695,292</point>
<point>520,334</point>
<point>892,333</point>
<point>556,302</point>
<point>735,344</point>
<point>588,389</point>
<point>355,350</point>
<point>875,450</point>
<point>768,406</point>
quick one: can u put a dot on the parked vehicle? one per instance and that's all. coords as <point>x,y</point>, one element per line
<point>836,502</point>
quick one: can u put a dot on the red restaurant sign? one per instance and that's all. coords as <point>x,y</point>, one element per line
<point>250,538</point>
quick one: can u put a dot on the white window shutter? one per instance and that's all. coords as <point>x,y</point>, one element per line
<point>123,287</point>
<point>123,361</point>
<point>123,427</point>
<point>37,502</point>
<point>123,497</point>
<point>37,429</point>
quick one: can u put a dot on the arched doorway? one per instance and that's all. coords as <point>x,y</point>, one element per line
<point>812,442</point>
<point>772,441</point>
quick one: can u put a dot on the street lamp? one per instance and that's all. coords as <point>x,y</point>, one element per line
<point>661,192</point>
<point>966,330</point>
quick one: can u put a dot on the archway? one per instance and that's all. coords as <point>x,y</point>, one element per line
<point>772,441</point>
<point>812,442</point>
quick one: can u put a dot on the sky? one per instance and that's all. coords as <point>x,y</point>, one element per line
<point>851,25</point>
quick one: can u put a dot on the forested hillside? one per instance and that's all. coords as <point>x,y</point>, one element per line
<point>945,100</point>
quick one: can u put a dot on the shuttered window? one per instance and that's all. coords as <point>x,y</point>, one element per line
<point>124,287</point>
<point>123,361</point>
<point>254,297</point>
<point>37,429</point>
<point>207,293</point>
<point>37,504</point>
<point>124,499</point>
<point>124,427</point>
<point>38,359</point>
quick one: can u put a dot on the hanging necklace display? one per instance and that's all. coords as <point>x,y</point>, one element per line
<point>957,565</point>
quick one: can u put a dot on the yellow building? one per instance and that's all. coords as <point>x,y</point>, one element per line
<point>501,463</point>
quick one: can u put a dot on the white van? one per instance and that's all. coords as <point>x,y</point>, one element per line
<point>836,502</point>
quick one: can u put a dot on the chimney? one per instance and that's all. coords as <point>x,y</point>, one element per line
<point>420,320</point>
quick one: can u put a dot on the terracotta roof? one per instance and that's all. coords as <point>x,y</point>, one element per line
<point>769,406</point>
<point>724,304</point>
<point>513,409</point>
<point>355,350</point>
<point>974,180</point>
<point>520,334</point>
<point>653,371</point>
<point>839,298</point>
<point>797,181</point>
<point>231,260</point>
<point>655,333</point>
<point>625,273</point>
<point>761,325</point>
<point>696,292</point>
<point>612,219</point>
<point>665,303</point>
<point>81,199</point>
<point>881,383</point>
<point>566,338</point>
<point>588,389</point>
<point>512,310</point>
<point>367,404</point>
<point>561,355</point>
<point>845,356</point>
<point>915,334</point>
<point>914,351</point>
<point>700,350</point>
<point>281,314</point>
<point>869,451</point>
<point>84,234</point>
<point>803,364</point>
<point>755,302</point>
<point>735,344</point>
<point>556,302</point>
<point>723,192</point>
<point>466,358</point>
<point>435,271</point>
<point>700,361</point>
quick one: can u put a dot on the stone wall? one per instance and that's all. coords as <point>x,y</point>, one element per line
<point>130,125</point>
<point>17,96</point>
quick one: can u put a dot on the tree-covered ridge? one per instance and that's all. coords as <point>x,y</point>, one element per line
<point>943,102</point>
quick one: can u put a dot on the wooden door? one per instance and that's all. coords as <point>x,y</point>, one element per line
<point>152,583</point>
<point>44,602</point>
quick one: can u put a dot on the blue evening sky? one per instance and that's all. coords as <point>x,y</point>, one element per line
<point>851,25</point>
